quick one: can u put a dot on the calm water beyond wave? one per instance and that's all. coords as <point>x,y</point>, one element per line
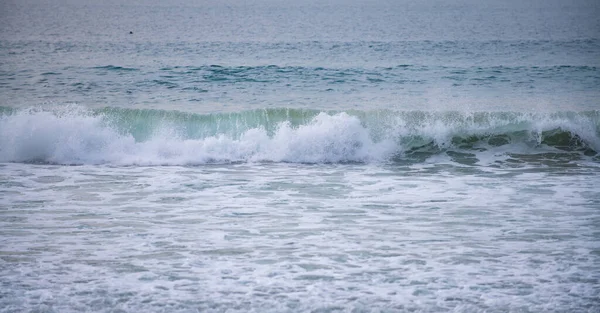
<point>299,156</point>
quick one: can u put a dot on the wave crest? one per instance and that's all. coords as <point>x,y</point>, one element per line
<point>75,135</point>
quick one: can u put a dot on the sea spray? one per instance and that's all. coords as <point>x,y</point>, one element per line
<point>76,135</point>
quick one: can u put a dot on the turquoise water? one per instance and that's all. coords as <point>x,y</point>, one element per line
<point>275,156</point>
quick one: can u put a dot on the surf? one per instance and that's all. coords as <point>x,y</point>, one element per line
<point>76,135</point>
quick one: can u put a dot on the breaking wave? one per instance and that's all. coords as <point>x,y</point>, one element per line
<point>76,135</point>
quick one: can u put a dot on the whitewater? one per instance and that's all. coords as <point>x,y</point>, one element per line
<point>306,156</point>
<point>286,210</point>
<point>72,135</point>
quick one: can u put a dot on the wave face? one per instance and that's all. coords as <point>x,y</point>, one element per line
<point>76,135</point>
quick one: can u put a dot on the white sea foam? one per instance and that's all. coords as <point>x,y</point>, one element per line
<point>78,137</point>
<point>275,237</point>
<point>64,137</point>
<point>74,135</point>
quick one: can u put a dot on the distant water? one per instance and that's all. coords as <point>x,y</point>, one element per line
<point>274,156</point>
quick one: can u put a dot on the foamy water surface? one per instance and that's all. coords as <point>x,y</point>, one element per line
<point>292,237</point>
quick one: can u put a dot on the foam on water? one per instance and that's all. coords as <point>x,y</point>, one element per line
<point>276,237</point>
<point>75,135</point>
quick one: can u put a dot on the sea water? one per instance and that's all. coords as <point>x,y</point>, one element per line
<point>299,156</point>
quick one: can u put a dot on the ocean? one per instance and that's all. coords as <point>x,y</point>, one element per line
<point>299,156</point>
